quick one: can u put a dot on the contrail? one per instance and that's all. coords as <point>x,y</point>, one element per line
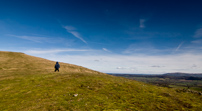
<point>73,31</point>
<point>179,46</point>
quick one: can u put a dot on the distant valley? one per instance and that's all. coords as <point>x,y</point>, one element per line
<point>191,81</point>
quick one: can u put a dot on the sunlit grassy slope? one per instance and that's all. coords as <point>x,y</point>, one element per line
<point>29,83</point>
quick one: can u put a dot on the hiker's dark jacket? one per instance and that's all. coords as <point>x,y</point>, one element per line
<point>57,65</point>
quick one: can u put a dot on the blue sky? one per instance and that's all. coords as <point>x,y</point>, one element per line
<point>111,36</point>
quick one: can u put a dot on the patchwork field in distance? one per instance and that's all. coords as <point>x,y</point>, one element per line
<point>170,80</point>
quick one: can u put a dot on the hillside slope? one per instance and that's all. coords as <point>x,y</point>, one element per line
<point>30,83</point>
<point>22,63</point>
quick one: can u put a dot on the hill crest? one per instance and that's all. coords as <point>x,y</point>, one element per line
<point>17,61</point>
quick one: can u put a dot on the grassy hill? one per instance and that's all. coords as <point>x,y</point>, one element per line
<point>29,83</point>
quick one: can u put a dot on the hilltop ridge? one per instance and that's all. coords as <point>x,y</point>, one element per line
<point>30,83</point>
<point>17,61</point>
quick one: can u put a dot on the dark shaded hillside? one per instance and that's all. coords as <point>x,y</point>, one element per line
<point>30,83</point>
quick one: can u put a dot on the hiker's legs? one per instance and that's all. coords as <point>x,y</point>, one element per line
<point>56,70</point>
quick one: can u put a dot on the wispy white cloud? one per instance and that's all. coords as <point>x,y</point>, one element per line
<point>106,50</point>
<point>194,66</point>
<point>179,46</point>
<point>135,34</point>
<point>156,66</point>
<point>74,32</point>
<point>198,33</point>
<point>144,48</point>
<point>142,23</point>
<point>121,68</point>
<point>54,51</point>
<point>31,38</point>
<point>199,41</point>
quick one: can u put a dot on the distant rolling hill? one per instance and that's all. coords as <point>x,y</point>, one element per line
<point>169,75</point>
<point>177,74</point>
<point>29,83</point>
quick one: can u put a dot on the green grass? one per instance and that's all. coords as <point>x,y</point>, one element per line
<point>196,88</point>
<point>28,89</point>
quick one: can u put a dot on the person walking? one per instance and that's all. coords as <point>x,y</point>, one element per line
<point>57,66</point>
